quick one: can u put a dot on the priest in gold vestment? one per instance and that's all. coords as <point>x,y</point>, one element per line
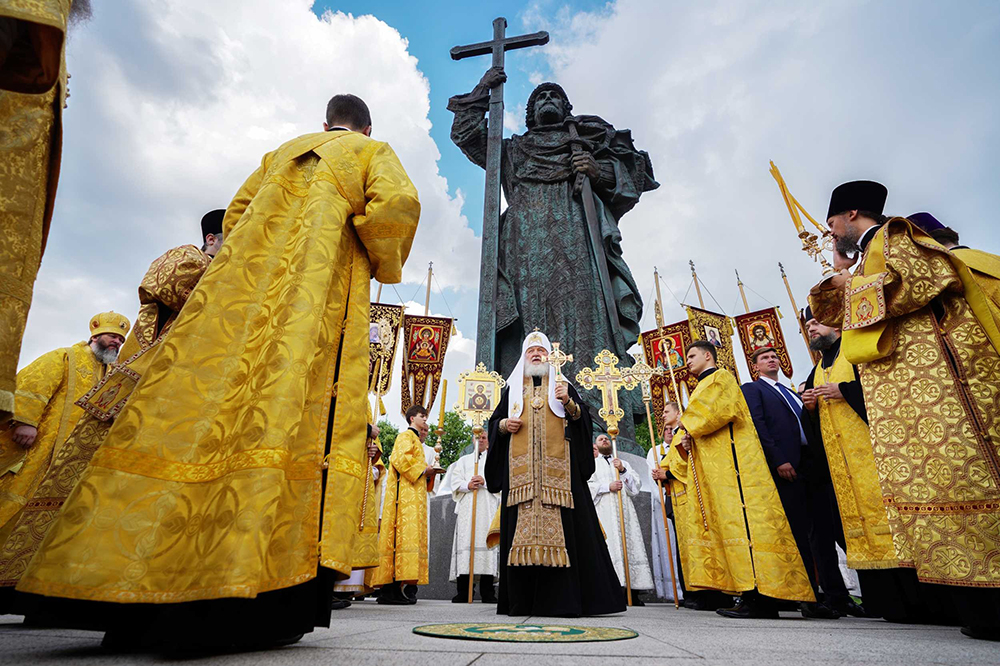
<point>163,290</point>
<point>927,344</point>
<point>32,96</point>
<point>237,469</point>
<point>985,267</point>
<point>46,412</point>
<point>716,465</point>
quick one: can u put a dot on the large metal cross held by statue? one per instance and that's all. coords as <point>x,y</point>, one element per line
<point>608,379</point>
<point>486,332</point>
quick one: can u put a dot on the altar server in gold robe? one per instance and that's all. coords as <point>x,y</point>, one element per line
<point>836,419</point>
<point>32,96</point>
<point>718,445</point>
<point>926,341</point>
<point>250,421</point>
<point>402,542</point>
<point>162,291</point>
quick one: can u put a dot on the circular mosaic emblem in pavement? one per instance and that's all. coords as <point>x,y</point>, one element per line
<point>524,633</point>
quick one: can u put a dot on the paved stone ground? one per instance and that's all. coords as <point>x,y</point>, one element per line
<point>370,634</point>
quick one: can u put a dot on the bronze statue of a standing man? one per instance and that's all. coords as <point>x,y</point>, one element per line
<point>548,276</point>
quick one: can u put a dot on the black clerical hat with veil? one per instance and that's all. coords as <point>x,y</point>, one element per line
<point>866,195</point>
<point>211,223</point>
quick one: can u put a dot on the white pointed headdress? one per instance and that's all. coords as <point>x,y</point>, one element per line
<point>515,399</point>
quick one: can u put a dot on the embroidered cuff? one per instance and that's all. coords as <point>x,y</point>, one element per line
<point>573,409</point>
<point>503,426</point>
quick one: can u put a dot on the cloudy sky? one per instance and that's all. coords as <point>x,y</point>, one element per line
<point>174,102</point>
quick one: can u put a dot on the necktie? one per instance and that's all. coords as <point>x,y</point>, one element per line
<point>790,398</point>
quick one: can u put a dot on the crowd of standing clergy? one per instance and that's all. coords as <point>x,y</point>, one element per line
<point>211,473</point>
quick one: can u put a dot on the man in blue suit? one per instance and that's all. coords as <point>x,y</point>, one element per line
<point>802,480</point>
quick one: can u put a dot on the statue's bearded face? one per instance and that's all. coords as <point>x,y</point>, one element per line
<point>550,108</point>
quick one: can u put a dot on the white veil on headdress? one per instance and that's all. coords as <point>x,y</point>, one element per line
<point>515,404</point>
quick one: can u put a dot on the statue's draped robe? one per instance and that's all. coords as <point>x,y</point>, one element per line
<point>606,503</point>
<point>32,95</point>
<point>588,586</point>
<point>725,557</point>
<point>212,483</point>
<point>163,290</point>
<point>486,559</point>
<point>547,276</point>
<point>925,338</point>
<point>47,389</point>
<point>402,542</point>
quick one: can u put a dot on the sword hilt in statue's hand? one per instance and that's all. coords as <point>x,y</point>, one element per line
<point>574,137</point>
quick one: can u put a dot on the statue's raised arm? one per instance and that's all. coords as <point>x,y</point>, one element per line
<point>468,130</point>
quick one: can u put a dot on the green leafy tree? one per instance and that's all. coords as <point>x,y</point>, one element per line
<point>642,435</point>
<point>457,435</point>
<point>387,434</point>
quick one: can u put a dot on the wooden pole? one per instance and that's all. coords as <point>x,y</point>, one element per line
<point>658,309</point>
<point>795,309</point>
<point>621,522</point>
<point>378,294</point>
<point>427,298</point>
<point>472,537</point>
<point>739,283</point>
<point>663,509</point>
<point>697,285</point>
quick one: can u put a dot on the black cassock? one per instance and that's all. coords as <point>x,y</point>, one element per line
<point>589,586</point>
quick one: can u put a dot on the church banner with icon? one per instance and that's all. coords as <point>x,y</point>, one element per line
<point>717,329</point>
<point>761,329</point>
<point>383,336</point>
<point>425,341</point>
<point>665,349</point>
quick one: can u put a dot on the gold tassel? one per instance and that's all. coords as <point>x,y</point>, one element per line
<point>381,407</point>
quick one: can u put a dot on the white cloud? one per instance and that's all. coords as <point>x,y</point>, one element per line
<point>714,90</point>
<point>174,104</point>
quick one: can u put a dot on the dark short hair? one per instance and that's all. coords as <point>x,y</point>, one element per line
<point>349,110</point>
<point>878,217</point>
<point>672,403</point>
<point>945,235</point>
<point>757,353</point>
<point>414,411</point>
<point>706,345</point>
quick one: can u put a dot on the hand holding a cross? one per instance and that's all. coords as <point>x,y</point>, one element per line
<point>494,76</point>
<point>562,393</point>
<point>584,162</point>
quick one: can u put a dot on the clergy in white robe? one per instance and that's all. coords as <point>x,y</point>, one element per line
<point>661,564</point>
<point>605,490</point>
<point>466,482</point>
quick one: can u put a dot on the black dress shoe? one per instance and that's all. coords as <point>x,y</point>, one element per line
<point>340,604</point>
<point>849,607</point>
<point>636,599</point>
<point>746,611</point>
<point>982,633</point>
<point>817,611</point>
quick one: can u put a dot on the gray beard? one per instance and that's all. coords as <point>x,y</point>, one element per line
<point>105,355</point>
<point>823,342</point>
<point>539,370</point>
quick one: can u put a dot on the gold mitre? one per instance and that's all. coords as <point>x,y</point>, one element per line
<point>109,322</point>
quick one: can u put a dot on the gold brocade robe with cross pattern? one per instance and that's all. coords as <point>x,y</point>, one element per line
<point>32,95</point>
<point>46,391</point>
<point>724,557</point>
<point>209,483</point>
<point>925,338</point>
